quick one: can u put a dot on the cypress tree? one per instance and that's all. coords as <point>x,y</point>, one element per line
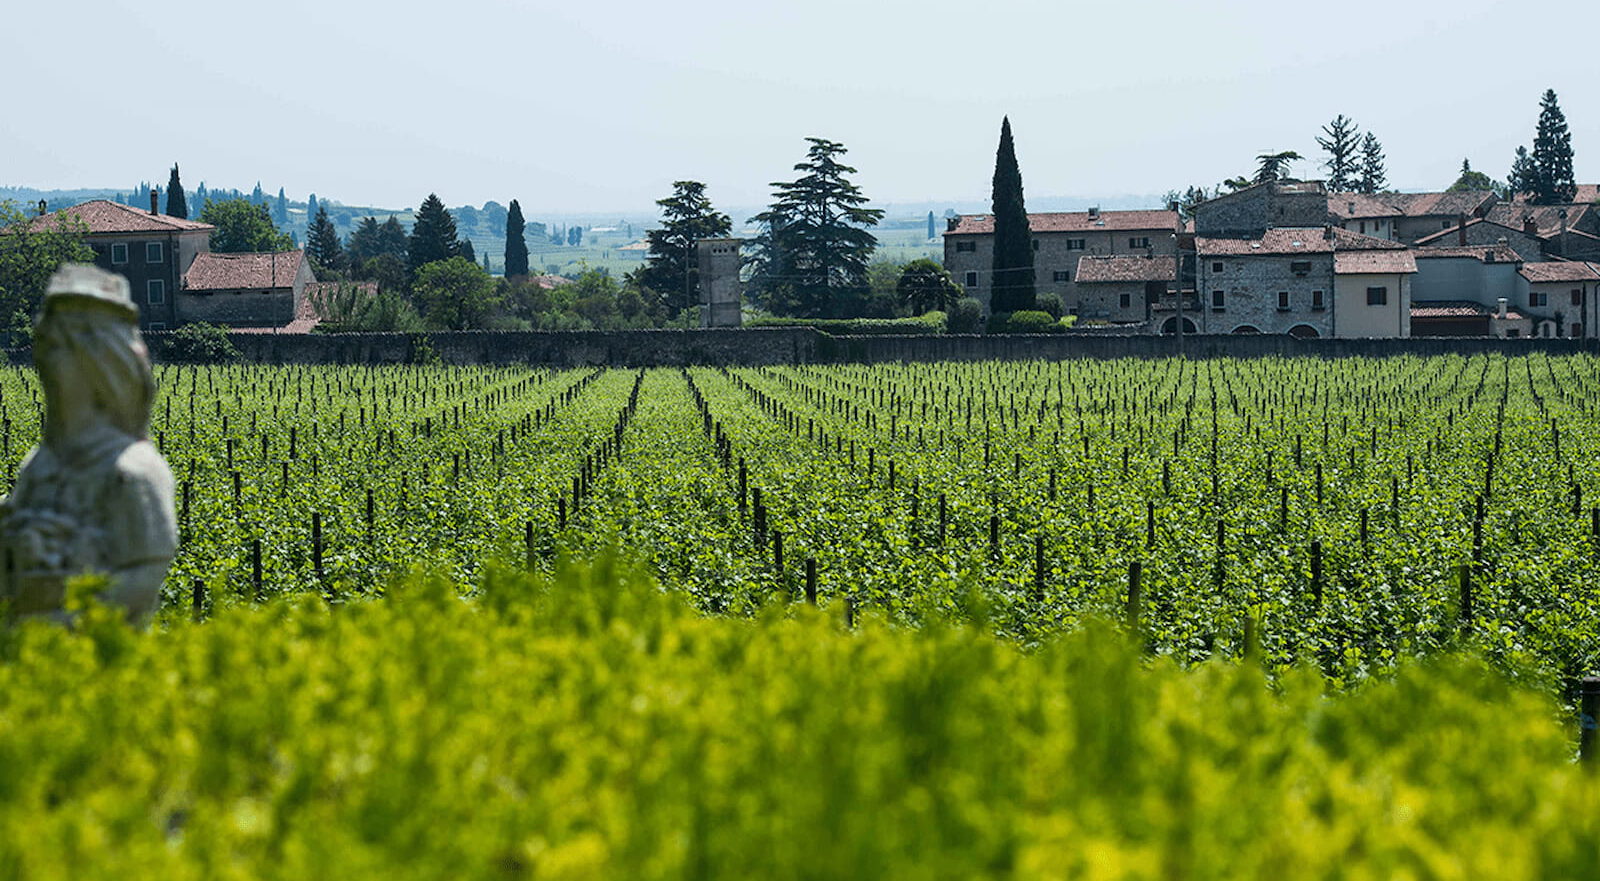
<point>932,233</point>
<point>1553,182</point>
<point>280,209</point>
<point>516,244</point>
<point>433,235</point>
<point>179,208</point>
<point>1012,289</point>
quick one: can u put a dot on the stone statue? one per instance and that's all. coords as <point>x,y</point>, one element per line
<point>94,495</point>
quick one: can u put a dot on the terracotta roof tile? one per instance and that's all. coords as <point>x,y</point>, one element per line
<point>1559,271</point>
<point>1448,236</point>
<point>232,272</point>
<point>1458,309</point>
<point>1369,262</point>
<point>1483,253</point>
<point>1093,269</point>
<point>1295,240</point>
<point>1159,220</point>
<point>103,216</point>
<point>1356,206</point>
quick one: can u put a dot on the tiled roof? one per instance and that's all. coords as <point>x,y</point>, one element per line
<point>1483,253</point>
<point>1457,309</point>
<point>550,282</point>
<point>1449,235</point>
<point>1586,194</point>
<point>1371,262</point>
<point>102,216</point>
<point>232,272</point>
<point>1159,220</point>
<point>1546,218</point>
<point>1125,267</point>
<point>1295,240</point>
<point>1356,206</point>
<point>1558,271</point>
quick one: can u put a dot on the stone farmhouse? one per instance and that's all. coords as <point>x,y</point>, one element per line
<point>176,279</point>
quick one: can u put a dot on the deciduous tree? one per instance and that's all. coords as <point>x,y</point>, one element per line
<point>454,293</point>
<point>243,226</point>
<point>1471,180</point>
<point>31,250</point>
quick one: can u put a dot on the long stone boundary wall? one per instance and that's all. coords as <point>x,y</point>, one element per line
<point>803,345</point>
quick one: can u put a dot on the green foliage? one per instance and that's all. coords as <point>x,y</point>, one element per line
<point>587,724</point>
<point>1374,177</point>
<point>1032,321</point>
<point>1274,166</point>
<point>966,316</point>
<point>1013,286</point>
<point>1471,181</point>
<point>198,343</point>
<point>347,307</point>
<point>243,227</point>
<point>1523,178</point>
<point>322,245</point>
<point>1553,181</point>
<point>924,285</point>
<point>433,236</point>
<point>687,216</point>
<point>516,242</point>
<point>177,206</point>
<point>454,294</point>
<point>31,250</point>
<point>1341,141</point>
<point>929,322</point>
<point>814,248</point>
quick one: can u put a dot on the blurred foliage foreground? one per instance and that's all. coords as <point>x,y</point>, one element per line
<point>589,725</point>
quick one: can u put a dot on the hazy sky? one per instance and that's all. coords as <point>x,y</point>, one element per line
<point>586,105</point>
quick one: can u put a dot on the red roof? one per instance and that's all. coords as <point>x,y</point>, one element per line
<point>1559,271</point>
<point>1482,253</point>
<point>1449,235</point>
<point>1158,220</point>
<point>1373,262</point>
<point>1125,267</point>
<point>1457,309</point>
<point>1295,240</point>
<point>1546,218</point>
<point>102,216</point>
<point>1356,206</point>
<point>232,272</point>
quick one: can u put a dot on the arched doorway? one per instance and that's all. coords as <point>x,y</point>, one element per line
<point>1246,329</point>
<point>1303,332</point>
<point>1170,326</point>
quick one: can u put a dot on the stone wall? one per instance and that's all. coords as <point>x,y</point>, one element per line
<point>1055,261</point>
<point>802,345</point>
<point>1250,285</point>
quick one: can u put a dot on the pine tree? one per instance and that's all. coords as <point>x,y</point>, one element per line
<point>1012,289</point>
<point>1373,176</point>
<point>687,217</point>
<point>1274,166</point>
<point>392,239</point>
<point>363,244</point>
<point>433,235</point>
<point>1523,177</point>
<point>176,205</point>
<point>1553,182</point>
<point>280,209</point>
<point>516,243</point>
<point>1341,144</point>
<point>322,245</point>
<point>811,256</point>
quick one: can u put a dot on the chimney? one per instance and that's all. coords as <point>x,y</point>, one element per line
<point>1530,226</point>
<point>155,201</point>
<point>1327,232</point>
<point>1461,229</point>
<point>1500,308</point>
<point>951,223</point>
<point>1563,215</point>
<point>44,207</point>
<point>1352,208</point>
<point>1094,213</point>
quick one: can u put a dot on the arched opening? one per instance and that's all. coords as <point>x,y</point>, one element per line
<point>1246,329</point>
<point>1303,332</point>
<point>1170,326</point>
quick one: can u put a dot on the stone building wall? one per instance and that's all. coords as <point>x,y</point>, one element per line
<point>1250,285</point>
<point>1250,212</point>
<point>1055,264</point>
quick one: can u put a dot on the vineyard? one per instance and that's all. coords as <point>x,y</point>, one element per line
<point>1265,585</point>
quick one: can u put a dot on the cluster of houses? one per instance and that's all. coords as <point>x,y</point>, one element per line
<point>1289,257</point>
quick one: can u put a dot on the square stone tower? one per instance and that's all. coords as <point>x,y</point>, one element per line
<point>721,293</point>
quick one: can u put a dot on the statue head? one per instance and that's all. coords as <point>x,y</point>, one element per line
<point>91,359</point>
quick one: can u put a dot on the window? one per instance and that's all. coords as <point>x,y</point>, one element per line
<point>155,291</point>
<point>119,253</point>
<point>1316,300</point>
<point>1300,267</point>
<point>1125,300</point>
<point>1377,296</point>
<point>1283,301</point>
<point>1061,275</point>
<point>972,279</point>
<point>966,247</point>
<point>1445,224</point>
<point>1363,229</point>
<point>1139,241</point>
<point>1538,298</point>
<point>1216,266</point>
<point>1076,245</point>
<point>1218,303</point>
<point>1577,296</point>
<point>1511,331</point>
<point>1577,330</point>
<point>158,325</point>
<point>152,252</point>
<point>1036,244</point>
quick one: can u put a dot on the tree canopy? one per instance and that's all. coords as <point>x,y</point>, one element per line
<point>1553,181</point>
<point>1374,178</point>
<point>925,285</point>
<point>1471,180</point>
<point>433,235</point>
<point>687,217</point>
<point>516,242</point>
<point>454,294</point>
<point>814,247</point>
<point>322,245</point>
<point>30,252</point>
<point>1342,142</point>
<point>243,226</point>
